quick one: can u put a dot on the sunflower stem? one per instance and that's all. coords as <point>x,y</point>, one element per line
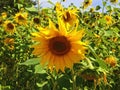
<point>74,80</point>
<point>38,6</point>
<point>89,63</point>
<point>54,82</point>
<point>93,52</point>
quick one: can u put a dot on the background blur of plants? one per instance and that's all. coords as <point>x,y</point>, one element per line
<point>20,69</point>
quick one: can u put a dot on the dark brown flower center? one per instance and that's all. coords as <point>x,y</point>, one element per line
<point>20,17</point>
<point>36,20</point>
<point>113,0</point>
<point>59,45</point>
<point>87,2</point>
<point>67,17</point>
<point>10,26</point>
<point>1,22</point>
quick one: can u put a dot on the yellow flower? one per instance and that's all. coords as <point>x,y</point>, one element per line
<point>87,3</point>
<point>92,9</point>
<point>9,27</point>
<point>21,18</point>
<point>69,17</point>
<point>4,15</point>
<point>111,60</point>
<point>9,42</point>
<point>96,35</point>
<point>59,48</point>
<point>108,19</point>
<point>58,7</point>
<point>113,1</point>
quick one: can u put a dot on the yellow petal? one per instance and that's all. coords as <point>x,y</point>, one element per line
<point>59,63</point>
<point>68,61</point>
<point>62,28</point>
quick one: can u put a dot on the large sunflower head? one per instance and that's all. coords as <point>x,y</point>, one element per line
<point>87,3</point>
<point>9,27</point>
<point>21,18</point>
<point>58,47</point>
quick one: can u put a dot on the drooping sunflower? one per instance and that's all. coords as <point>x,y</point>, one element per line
<point>113,1</point>
<point>58,47</point>
<point>21,18</point>
<point>111,60</point>
<point>87,3</point>
<point>9,42</point>
<point>9,27</point>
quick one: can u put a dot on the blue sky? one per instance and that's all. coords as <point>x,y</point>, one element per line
<point>78,3</point>
<point>44,3</point>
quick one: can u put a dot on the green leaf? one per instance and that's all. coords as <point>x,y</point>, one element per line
<point>104,3</point>
<point>102,64</point>
<point>49,1</point>
<point>41,84</point>
<point>109,8</point>
<point>39,69</point>
<point>32,61</point>
<point>108,33</point>
<point>97,7</point>
<point>20,5</point>
<point>32,9</point>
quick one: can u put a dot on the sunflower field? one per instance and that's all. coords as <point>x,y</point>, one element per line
<point>59,48</point>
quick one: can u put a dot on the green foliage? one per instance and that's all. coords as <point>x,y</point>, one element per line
<point>21,70</point>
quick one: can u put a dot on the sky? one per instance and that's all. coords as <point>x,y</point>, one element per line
<point>77,3</point>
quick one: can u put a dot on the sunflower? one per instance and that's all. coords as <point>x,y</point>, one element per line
<point>36,20</point>
<point>87,3</point>
<point>58,7</point>
<point>59,48</point>
<point>9,42</point>
<point>113,1</point>
<point>4,15</point>
<point>108,19</point>
<point>21,18</point>
<point>9,26</point>
<point>111,60</point>
<point>69,17</point>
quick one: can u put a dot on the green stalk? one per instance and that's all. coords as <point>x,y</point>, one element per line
<point>93,52</point>
<point>89,63</point>
<point>74,80</point>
